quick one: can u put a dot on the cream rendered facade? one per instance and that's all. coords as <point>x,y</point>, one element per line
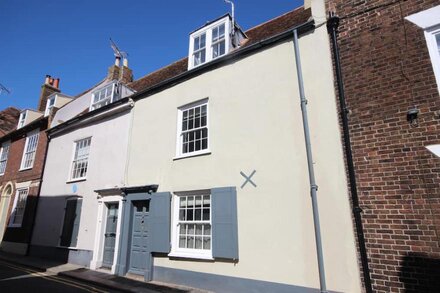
<point>255,124</point>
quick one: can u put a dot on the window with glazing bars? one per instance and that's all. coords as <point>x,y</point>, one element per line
<point>30,149</point>
<point>218,41</point>
<point>199,55</point>
<point>81,158</point>
<point>102,97</point>
<point>194,225</point>
<point>19,207</point>
<point>194,131</point>
<point>4,158</point>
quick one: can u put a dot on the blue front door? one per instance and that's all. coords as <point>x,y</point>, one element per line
<point>139,260</point>
<point>110,235</point>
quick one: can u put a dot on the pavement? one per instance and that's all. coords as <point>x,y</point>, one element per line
<point>97,278</point>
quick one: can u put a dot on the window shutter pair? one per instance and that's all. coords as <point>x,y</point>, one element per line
<point>224,222</point>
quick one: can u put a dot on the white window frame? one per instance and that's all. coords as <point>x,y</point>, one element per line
<point>106,100</point>
<point>14,207</point>
<point>188,252</point>
<point>180,132</point>
<point>4,154</point>
<point>208,41</point>
<point>219,40</point>
<point>431,41</point>
<point>429,21</point>
<point>74,159</point>
<point>22,119</point>
<point>200,50</point>
<point>48,106</point>
<point>32,152</point>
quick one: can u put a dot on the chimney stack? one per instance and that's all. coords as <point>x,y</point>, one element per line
<point>50,86</point>
<point>123,74</point>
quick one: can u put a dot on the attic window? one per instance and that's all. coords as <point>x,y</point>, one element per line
<point>210,42</point>
<point>199,49</point>
<point>21,120</point>
<point>49,105</point>
<point>218,41</point>
<point>104,96</point>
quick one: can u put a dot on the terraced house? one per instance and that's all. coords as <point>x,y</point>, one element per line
<point>23,150</point>
<point>196,174</point>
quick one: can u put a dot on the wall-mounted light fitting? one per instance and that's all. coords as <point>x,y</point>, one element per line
<point>411,116</point>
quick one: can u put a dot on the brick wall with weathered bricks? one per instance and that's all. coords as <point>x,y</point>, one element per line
<point>13,174</point>
<point>387,71</point>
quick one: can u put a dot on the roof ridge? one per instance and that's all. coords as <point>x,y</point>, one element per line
<point>159,69</point>
<point>273,19</point>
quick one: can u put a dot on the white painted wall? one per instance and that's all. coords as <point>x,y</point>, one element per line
<point>81,103</point>
<point>106,169</point>
<point>255,123</point>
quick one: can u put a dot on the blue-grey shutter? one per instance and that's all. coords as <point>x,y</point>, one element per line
<point>75,229</point>
<point>224,223</point>
<point>69,215</point>
<point>160,221</point>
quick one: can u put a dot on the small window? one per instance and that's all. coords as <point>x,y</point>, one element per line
<point>19,207</point>
<point>80,159</point>
<point>4,152</point>
<point>102,97</point>
<point>193,224</point>
<point>199,49</point>
<point>30,149</point>
<point>218,41</point>
<point>193,129</point>
<point>22,119</point>
<point>49,105</point>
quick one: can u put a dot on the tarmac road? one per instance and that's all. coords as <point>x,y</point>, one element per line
<point>16,278</point>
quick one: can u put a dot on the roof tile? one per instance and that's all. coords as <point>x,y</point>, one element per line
<point>256,34</point>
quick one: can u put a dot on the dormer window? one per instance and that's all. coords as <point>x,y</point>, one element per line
<point>49,105</point>
<point>212,41</point>
<point>22,119</point>
<point>104,96</point>
<point>218,41</point>
<point>199,49</point>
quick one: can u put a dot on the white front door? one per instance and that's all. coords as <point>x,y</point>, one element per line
<point>5,200</point>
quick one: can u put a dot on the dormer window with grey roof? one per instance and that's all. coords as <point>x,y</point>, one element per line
<point>213,40</point>
<point>104,96</point>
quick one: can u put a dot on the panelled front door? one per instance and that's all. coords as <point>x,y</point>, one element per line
<point>139,250</point>
<point>110,235</point>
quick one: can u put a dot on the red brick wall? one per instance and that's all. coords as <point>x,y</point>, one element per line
<point>387,71</point>
<point>12,174</point>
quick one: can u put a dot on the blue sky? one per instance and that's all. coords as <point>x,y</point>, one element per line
<point>70,39</point>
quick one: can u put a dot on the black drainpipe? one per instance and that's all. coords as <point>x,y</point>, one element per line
<point>332,27</point>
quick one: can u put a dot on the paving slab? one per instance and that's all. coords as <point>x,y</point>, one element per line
<point>117,282</point>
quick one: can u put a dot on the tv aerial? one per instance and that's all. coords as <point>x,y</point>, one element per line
<point>3,89</point>
<point>118,53</point>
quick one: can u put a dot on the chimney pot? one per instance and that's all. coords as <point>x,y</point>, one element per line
<point>125,62</point>
<point>56,83</point>
<point>46,81</point>
<point>117,60</point>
